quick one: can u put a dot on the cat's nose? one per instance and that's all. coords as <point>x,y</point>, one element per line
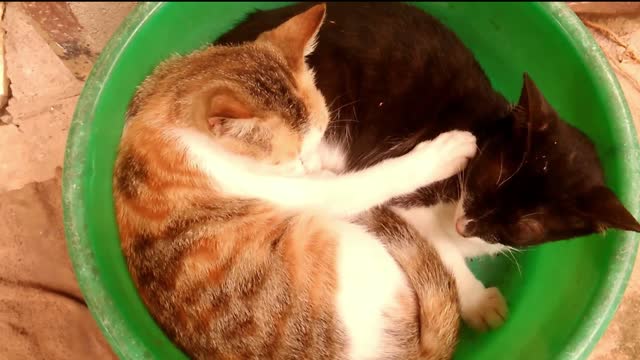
<point>461,226</point>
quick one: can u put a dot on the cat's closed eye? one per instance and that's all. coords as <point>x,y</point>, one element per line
<point>216,121</point>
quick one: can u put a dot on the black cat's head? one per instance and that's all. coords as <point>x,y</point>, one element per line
<point>538,179</point>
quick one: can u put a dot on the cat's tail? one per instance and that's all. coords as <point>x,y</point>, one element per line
<point>439,310</point>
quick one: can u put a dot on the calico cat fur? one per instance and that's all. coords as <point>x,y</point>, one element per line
<point>239,251</point>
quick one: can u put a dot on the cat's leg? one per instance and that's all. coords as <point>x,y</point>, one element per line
<point>376,297</point>
<point>434,286</point>
<point>370,285</point>
<point>482,308</point>
<point>352,193</point>
<point>344,195</point>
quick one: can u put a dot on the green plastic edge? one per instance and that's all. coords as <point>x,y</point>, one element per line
<point>82,256</point>
<point>73,189</point>
<point>626,253</point>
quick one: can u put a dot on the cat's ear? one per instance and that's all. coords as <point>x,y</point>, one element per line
<point>227,106</point>
<point>296,38</point>
<point>215,108</point>
<point>533,108</point>
<point>604,208</point>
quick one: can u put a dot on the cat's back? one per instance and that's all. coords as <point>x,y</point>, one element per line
<point>389,71</point>
<point>384,49</point>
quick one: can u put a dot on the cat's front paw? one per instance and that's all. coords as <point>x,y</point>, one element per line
<point>447,154</point>
<point>487,309</point>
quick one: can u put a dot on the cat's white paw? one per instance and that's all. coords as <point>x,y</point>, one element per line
<point>486,309</point>
<point>446,155</point>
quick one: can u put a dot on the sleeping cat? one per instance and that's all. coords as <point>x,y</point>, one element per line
<point>239,251</point>
<point>395,76</point>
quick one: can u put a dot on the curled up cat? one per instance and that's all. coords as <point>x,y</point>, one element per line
<point>396,76</point>
<point>239,249</point>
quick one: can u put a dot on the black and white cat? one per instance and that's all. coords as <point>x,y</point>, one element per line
<point>396,76</point>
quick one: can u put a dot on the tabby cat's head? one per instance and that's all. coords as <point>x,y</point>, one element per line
<point>537,180</point>
<point>264,103</point>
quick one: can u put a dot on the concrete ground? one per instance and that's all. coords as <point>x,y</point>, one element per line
<point>49,50</point>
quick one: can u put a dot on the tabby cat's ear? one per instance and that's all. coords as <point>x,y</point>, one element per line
<point>296,38</point>
<point>533,108</point>
<point>214,108</point>
<point>603,207</point>
<point>225,105</point>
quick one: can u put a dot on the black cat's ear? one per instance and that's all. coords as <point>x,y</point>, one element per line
<point>604,208</point>
<point>533,108</point>
<point>296,38</point>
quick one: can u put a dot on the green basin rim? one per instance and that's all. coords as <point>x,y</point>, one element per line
<point>112,322</point>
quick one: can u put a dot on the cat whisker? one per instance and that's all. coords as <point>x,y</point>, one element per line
<point>333,102</point>
<point>347,104</point>
<point>501,167</point>
<point>478,155</point>
<point>334,124</point>
<point>337,110</point>
<point>524,156</point>
<point>532,214</point>
<point>335,116</point>
<point>388,146</point>
<point>515,172</point>
<point>333,128</point>
<point>485,214</point>
<point>460,178</point>
<point>347,136</point>
<point>343,121</point>
<point>509,254</point>
<point>514,249</point>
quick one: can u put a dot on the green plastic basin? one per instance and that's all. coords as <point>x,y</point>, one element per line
<point>561,296</point>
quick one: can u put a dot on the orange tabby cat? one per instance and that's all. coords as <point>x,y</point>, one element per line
<point>240,249</point>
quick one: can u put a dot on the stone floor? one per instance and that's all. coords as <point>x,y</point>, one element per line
<point>46,67</point>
